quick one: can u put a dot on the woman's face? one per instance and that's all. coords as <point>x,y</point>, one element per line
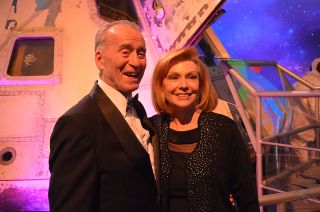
<point>181,85</point>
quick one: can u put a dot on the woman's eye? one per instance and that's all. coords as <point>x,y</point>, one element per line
<point>193,77</point>
<point>172,77</point>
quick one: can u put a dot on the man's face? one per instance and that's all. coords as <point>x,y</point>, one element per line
<point>122,58</point>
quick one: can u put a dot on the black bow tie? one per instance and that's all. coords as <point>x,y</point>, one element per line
<point>132,103</point>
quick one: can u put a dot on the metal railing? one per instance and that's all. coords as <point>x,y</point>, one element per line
<point>255,132</point>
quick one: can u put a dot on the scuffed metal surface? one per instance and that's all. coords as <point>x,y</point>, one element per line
<point>15,199</point>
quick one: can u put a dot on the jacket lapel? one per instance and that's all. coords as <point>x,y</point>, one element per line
<point>154,139</point>
<point>124,134</point>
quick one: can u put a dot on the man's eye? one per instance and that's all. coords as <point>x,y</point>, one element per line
<point>141,55</point>
<point>125,52</point>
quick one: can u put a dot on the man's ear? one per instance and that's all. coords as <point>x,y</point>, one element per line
<point>99,59</point>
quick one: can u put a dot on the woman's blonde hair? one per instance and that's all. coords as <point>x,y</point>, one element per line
<point>207,97</point>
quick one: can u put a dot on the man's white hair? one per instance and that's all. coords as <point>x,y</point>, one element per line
<point>100,34</point>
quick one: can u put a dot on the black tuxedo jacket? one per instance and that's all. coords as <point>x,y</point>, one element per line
<point>96,161</point>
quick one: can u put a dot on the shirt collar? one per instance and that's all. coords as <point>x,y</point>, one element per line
<point>115,96</point>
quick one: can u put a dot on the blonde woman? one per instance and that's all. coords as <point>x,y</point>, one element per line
<point>202,157</point>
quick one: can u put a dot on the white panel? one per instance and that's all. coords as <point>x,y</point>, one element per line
<point>27,164</point>
<point>49,125</point>
<point>182,21</point>
<point>20,114</point>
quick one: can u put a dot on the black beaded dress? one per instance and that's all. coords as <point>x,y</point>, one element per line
<point>203,179</point>
<point>181,144</point>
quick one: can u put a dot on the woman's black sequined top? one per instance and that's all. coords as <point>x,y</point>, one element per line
<point>218,166</point>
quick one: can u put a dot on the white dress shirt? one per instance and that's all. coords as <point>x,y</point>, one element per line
<point>130,116</point>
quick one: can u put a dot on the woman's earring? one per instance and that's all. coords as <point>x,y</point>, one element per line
<point>164,99</point>
<point>198,98</point>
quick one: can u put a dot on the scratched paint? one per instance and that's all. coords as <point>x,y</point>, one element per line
<point>23,199</point>
<point>42,4</point>
<point>54,10</point>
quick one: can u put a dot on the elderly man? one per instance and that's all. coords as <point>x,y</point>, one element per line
<point>101,155</point>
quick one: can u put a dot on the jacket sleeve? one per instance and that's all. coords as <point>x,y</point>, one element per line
<point>243,178</point>
<point>73,182</point>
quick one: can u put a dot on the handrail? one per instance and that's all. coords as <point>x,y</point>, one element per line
<point>272,199</point>
<point>296,77</point>
<point>286,173</point>
<point>294,131</point>
<point>290,146</point>
<point>287,93</point>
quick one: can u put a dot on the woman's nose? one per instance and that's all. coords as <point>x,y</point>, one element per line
<point>183,84</point>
